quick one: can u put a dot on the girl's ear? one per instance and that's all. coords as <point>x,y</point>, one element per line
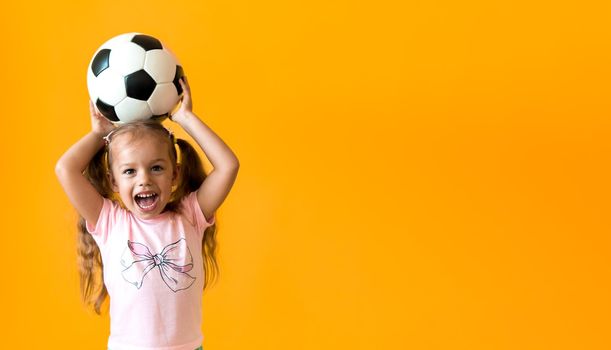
<point>112,182</point>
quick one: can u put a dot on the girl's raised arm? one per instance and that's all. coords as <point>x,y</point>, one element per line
<point>69,168</point>
<point>218,183</point>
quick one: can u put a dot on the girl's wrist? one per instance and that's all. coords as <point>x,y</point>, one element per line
<point>99,139</point>
<point>183,117</point>
<point>98,135</point>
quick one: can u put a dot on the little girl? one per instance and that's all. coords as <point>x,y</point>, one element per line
<point>147,225</point>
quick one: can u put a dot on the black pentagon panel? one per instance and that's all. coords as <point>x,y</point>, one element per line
<point>100,62</point>
<point>107,110</point>
<point>147,42</point>
<point>139,85</point>
<point>179,74</point>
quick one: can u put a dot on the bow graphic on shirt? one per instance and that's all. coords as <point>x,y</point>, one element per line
<point>138,261</point>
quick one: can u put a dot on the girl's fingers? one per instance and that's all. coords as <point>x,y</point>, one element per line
<point>186,88</point>
<point>93,110</point>
<point>184,82</point>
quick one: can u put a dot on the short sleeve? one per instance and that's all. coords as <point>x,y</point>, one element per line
<point>193,211</point>
<point>105,221</point>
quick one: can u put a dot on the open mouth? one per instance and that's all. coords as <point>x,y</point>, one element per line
<point>146,201</point>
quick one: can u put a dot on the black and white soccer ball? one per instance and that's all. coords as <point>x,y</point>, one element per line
<point>134,77</point>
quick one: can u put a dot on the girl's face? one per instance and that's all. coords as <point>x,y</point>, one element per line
<point>142,172</point>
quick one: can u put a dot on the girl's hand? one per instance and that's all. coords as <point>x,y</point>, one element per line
<point>100,126</point>
<point>186,105</point>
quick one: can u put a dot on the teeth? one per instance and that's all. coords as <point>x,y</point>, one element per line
<point>146,206</point>
<point>145,195</point>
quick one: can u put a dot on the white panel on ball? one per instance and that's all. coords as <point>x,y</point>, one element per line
<point>163,99</point>
<point>127,58</point>
<point>131,109</point>
<point>110,87</point>
<point>160,65</point>
<point>93,93</point>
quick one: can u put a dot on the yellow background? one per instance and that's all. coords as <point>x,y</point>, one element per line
<point>414,174</point>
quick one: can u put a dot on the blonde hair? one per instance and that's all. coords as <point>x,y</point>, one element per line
<point>190,176</point>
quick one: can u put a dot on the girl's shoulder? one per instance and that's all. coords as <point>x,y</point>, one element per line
<point>187,201</point>
<point>189,207</point>
<point>112,206</point>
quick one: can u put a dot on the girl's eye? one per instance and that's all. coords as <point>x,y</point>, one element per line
<point>157,168</point>
<point>128,171</point>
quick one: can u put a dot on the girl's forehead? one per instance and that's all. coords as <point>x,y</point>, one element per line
<point>141,145</point>
<point>138,134</point>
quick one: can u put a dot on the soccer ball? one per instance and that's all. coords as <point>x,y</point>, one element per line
<point>134,77</point>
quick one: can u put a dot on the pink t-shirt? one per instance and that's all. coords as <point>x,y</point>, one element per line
<point>154,275</point>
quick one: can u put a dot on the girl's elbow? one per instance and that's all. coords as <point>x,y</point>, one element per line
<point>235,167</point>
<point>62,170</point>
<point>228,166</point>
<point>232,168</point>
<point>232,164</point>
<point>59,168</point>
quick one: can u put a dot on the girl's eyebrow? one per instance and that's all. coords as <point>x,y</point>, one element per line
<point>153,161</point>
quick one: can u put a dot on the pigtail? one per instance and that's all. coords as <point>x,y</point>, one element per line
<point>93,291</point>
<point>191,175</point>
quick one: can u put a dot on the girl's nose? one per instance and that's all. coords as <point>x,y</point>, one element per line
<point>144,179</point>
